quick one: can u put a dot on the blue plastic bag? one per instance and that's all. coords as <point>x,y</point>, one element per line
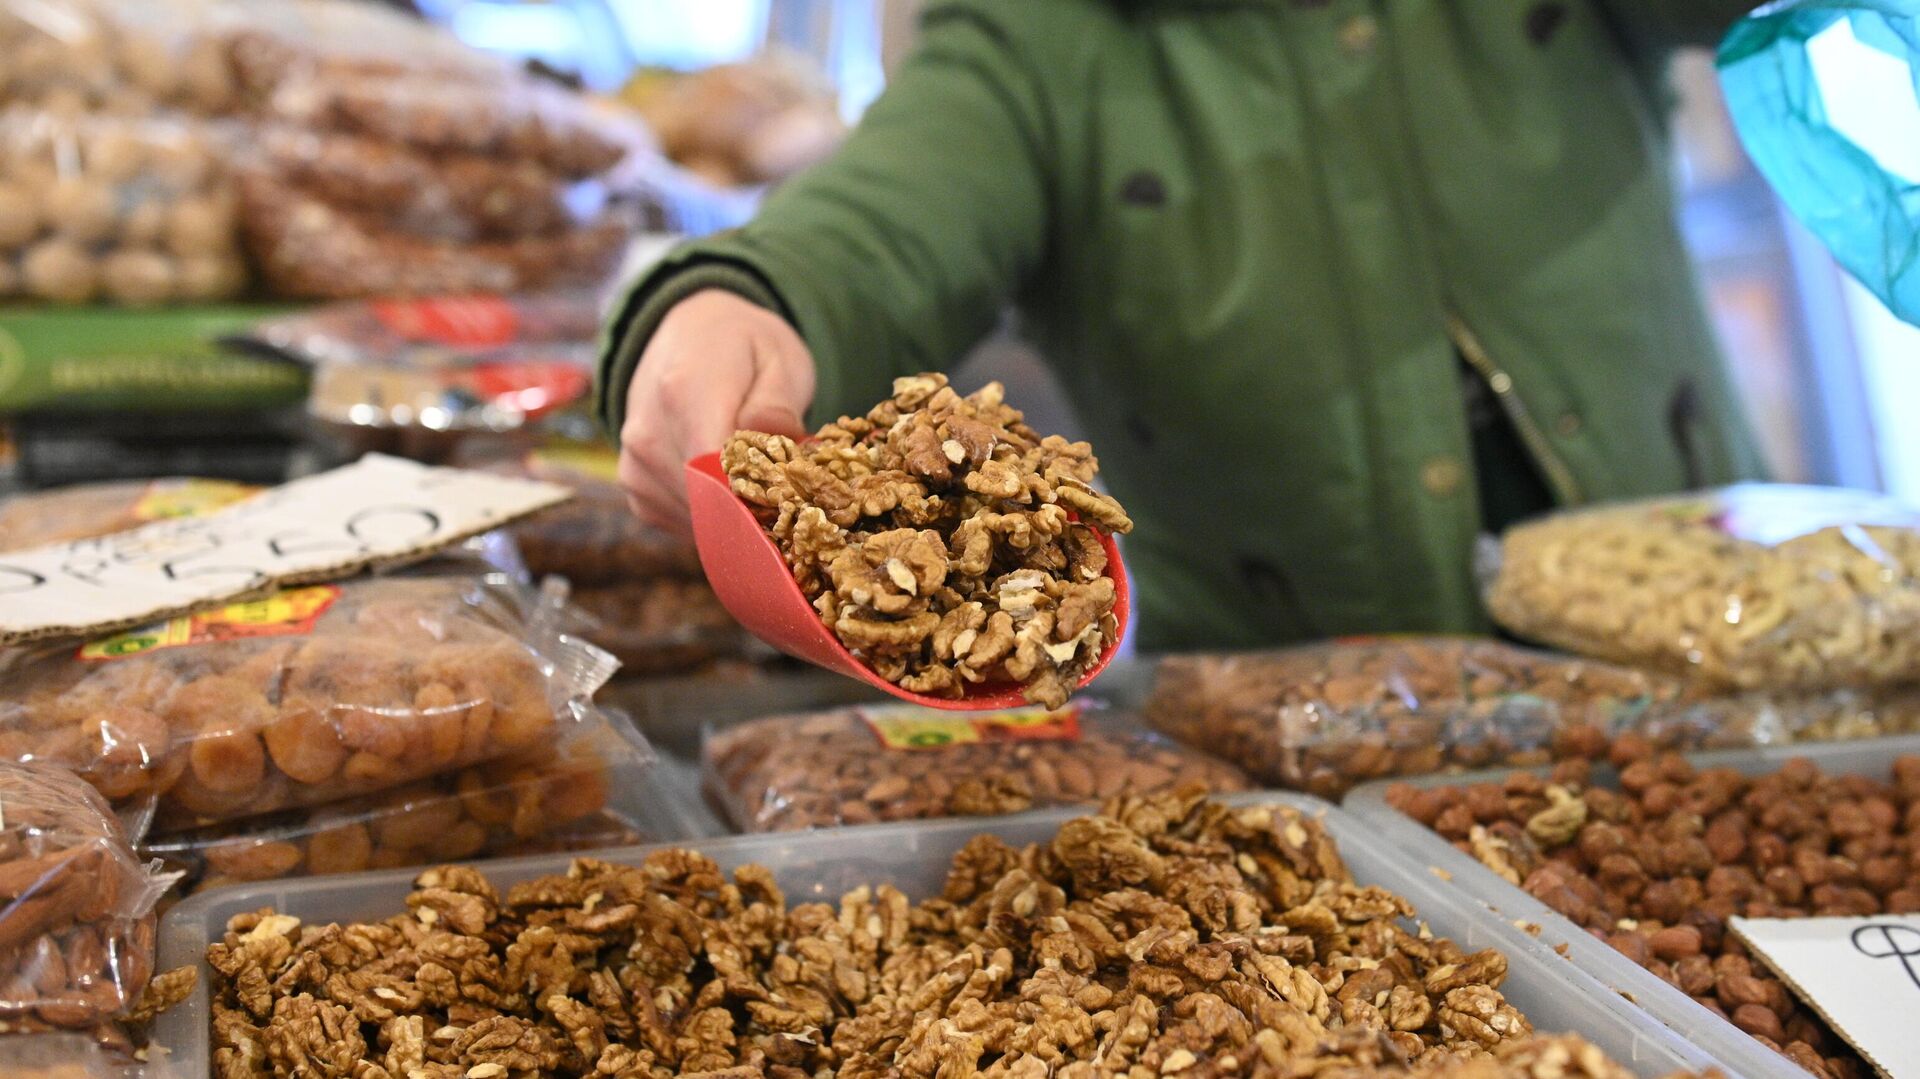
<point>1826,96</point>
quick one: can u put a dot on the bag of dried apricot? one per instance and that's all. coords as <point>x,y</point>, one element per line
<point>573,794</point>
<point>306,695</point>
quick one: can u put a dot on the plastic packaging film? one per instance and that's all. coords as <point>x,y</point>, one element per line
<point>1757,587</point>
<point>76,905</point>
<point>134,211</point>
<point>87,510</point>
<point>308,695</point>
<point>890,763</point>
<point>573,794</point>
<point>1324,717</point>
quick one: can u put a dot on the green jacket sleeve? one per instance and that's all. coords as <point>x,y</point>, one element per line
<point>898,253</point>
<point>1665,24</point>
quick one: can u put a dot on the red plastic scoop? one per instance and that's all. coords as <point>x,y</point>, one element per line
<point>753,582</point>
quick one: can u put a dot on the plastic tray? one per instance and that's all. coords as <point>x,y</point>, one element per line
<point>820,866</point>
<point>1726,1042</point>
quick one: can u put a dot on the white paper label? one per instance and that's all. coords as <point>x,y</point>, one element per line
<point>1861,974</point>
<point>379,509</point>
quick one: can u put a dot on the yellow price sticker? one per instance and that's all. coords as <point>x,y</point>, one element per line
<point>290,612</point>
<point>168,499</point>
<point>908,727</point>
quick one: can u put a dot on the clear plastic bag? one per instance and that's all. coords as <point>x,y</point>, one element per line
<point>305,248</point>
<point>69,1056</point>
<point>446,365</point>
<point>579,789</point>
<point>753,122</point>
<point>123,57</point>
<point>593,539</point>
<point>87,510</point>
<point>132,211</point>
<point>399,81</point>
<point>1769,587</point>
<point>309,695</point>
<point>889,763</point>
<point>1325,717</point>
<point>664,625</point>
<point>457,197</point>
<point>76,904</point>
<point>1837,715</point>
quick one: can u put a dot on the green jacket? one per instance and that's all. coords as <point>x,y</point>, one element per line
<point>1255,238</point>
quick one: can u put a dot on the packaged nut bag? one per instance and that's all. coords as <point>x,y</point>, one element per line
<point>457,197</point>
<point>62,1056</point>
<point>305,248</point>
<point>122,57</point>
<point>76,904</point>
<point>899,762</point>
<point>1325,717</point>
<point>132,211</point>
<point>310,694</point>
<point>578,790</point>
<point>593,538</point>
<point>1835,715</point>
<point>665,625</point>
<point>1759,586</point>
<point>640,593</point>
<point>87,510</point>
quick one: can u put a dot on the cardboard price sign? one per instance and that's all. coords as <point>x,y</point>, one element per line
<point>1861,974</point>
<point>375,511</point>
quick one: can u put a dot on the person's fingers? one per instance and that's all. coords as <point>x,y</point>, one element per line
<point>782,388</point>
<point>701,403</point>
<point>646,501</point>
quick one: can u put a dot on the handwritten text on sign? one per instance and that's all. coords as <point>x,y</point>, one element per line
<point>379,509</point>
<point>1861,974</point>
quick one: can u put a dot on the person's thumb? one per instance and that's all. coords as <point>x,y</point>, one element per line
<point>772,417</point>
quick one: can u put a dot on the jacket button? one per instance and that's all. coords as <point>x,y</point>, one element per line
<point>1568,425</point>
<point>1441,476</point>
<point>1358,33</point>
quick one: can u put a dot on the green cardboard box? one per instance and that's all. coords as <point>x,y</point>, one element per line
<point>102,359</point>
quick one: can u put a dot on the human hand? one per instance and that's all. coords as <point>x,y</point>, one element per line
<point>717,364</point>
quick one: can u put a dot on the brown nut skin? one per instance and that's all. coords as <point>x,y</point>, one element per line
<point>1659,869</point>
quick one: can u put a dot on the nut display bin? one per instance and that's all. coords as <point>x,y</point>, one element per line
<point>820,866</point>
<point>1734,1048</point>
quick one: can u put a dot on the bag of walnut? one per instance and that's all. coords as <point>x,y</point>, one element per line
<point>1758,587</point>
<point>637,592</point>
<point>573,794</point>
<point>890,763</point>
<point>76,904</point>
<point>307,695</point>
<point>1325,717</point>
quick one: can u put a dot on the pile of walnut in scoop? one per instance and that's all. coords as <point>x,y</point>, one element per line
<point>945,542</point>
<point>1167,936</point>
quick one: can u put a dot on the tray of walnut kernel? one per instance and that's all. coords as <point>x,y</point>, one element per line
<point>1657,849</point>
<point>1166,936</point>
